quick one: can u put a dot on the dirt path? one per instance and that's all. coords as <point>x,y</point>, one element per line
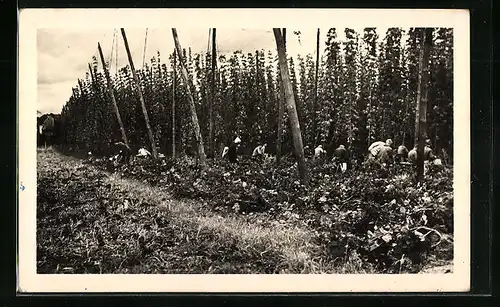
<point>90,221</point>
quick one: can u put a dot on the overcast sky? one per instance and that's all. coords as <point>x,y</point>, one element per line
<point>63,55</point>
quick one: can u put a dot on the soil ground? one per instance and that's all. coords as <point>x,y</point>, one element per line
<point>93,221</point>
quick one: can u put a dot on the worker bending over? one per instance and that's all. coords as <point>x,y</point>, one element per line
<point>259,151</point>
<point>123,151</point>
<point>428,154</point>
<point>319,152</point>
<point>231,150</point>
<point>341,156</point>
<point>381,151</point>
<point>401,154</point>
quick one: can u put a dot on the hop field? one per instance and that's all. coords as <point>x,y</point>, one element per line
<point>169,216</point>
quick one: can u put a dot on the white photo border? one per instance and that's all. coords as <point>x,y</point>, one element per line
<point>32,19</point>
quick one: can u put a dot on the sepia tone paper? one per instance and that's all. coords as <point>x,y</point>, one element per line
<point>31,20</point>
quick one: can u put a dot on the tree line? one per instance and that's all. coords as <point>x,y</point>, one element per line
<point>365,90</point>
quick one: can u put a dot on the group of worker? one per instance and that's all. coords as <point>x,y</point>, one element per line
<point>379,151</point>
<point>340,156</point>
<point>230,153</point>
<point>383,152</point>
<point>122,153</point>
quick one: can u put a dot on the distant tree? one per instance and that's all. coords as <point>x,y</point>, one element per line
<point>271,106</point>
<point>303,107</point>
<point>48,129</point>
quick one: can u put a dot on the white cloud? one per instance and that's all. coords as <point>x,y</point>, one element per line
<point>52,97</point>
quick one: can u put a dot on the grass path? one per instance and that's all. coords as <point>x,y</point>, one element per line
<point>284,247</point>
<point>292,242</point>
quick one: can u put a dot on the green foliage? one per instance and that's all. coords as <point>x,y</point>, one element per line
<point>366,92</point>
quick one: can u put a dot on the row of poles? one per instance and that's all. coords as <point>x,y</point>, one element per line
<point>286,92</point>
<point>184,74</point>
<point>178,53</point>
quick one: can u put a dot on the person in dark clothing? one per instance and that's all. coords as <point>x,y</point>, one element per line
<point>330,149</point>
<point>428,154</point>
<point>341,156</point>
<point>402,153</point>
<point>385,155</point>
<point>233,148</point>
<point>123,151</point>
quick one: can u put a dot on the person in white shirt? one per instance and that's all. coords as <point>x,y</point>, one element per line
<point>259,151</point>
<point>143,152</point>
<point>319,151</point>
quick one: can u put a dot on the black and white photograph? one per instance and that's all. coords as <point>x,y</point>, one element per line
<point>219,148</point>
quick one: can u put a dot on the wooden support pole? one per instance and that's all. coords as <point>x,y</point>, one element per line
<point>257,102</point>
<point>174,81</point>
<point>112,96</point>
<point>281,111</point>
<point>421,118</point>
<point>139,92</point>
<point>212,101</point>
<point>194,117</point>
<point>315,101</point>
<point>291,108</point>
